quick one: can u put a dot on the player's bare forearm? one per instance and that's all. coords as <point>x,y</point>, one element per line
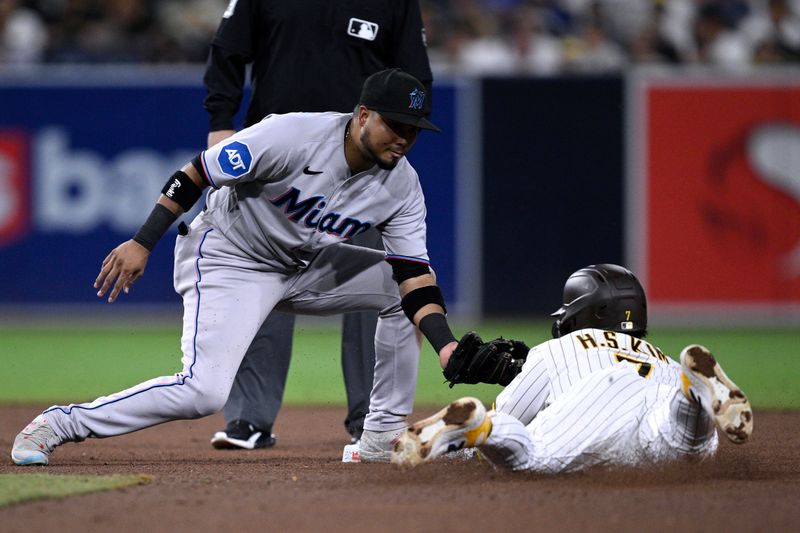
<point>446,352</point>
<point>125,263</point>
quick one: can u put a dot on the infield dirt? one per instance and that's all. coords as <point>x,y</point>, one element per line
<point>301,485</point>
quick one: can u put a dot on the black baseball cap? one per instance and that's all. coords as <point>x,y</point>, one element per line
<point>398,96</point>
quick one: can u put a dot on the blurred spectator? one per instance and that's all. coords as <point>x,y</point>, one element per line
<point>100,31</point>
<point>621,21</point>
<point>23,35</point>
<point>541,37</point>
<point>477,40</point>
<point>652,45</point>
<point>676,27</point>
<point>590,48</point>
<point>717,40</point>
<point>775,32</point>
<point>191,26</point>
<point>482,54</point>
<point>537,50</point>
<point>594,52</point>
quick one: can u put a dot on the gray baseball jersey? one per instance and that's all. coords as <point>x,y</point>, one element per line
<point>271,237</point>
<point>283,190</point>
<point>596,397</point>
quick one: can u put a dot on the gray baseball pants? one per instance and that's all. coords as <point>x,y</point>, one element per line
<point>257,391</point>
<point>226,297</point>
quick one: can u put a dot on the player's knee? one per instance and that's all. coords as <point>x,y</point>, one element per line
<point>209,402</point>
<point>393,309</point>
<point>390,301</point>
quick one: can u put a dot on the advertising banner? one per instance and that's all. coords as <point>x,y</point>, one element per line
<point>83,156</point>
<point>715,193</point>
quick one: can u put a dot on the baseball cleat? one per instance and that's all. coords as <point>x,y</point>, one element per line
<point>242,435</point>
<point>377,446</point>
<point>704,382</point>
<point>35,443</point>
<point>462,424</point>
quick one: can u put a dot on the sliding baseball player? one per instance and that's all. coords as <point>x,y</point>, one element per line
<point>597,394</point>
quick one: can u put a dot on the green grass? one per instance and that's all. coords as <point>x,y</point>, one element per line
<point>16,488</point>
<point>73,365</point>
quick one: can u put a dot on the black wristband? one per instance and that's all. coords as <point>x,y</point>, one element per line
<point>435,328</point>
<point>155,226</point>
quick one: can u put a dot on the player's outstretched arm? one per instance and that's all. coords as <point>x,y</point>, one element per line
<point>126,263</point>
<point>423,304</point>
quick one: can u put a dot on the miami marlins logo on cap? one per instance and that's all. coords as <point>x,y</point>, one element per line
<point>416,99</point>
<point>397,96</point>
<point>234,159</point>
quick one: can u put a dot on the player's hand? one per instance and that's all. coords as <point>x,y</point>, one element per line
<point>124,265</point>
<point>446,352</point>
<point>216,136</point>
<point>473,361</point>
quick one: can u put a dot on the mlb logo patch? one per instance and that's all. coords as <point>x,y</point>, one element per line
<point>234,159</point>
<point>363,29</point>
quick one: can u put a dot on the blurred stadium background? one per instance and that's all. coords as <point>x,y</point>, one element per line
<point>663,135</point>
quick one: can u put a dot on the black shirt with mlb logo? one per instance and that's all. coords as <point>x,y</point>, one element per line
<point>309,55</point>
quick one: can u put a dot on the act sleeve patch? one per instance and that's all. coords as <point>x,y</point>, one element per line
<point>235,159</point>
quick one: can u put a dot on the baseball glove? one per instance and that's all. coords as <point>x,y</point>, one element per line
<point>475,361</point>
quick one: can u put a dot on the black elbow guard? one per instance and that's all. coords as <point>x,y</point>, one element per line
<point>182,190</point>
<point>403,269</point>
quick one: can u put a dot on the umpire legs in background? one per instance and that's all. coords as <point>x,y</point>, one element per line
<point>358,367</point>
<point>257,392</point>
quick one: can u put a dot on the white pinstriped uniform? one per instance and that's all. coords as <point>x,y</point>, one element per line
<point>596,397</point>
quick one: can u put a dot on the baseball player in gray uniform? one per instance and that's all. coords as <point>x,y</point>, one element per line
<point>597,394</point>
<point>285,193</point>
